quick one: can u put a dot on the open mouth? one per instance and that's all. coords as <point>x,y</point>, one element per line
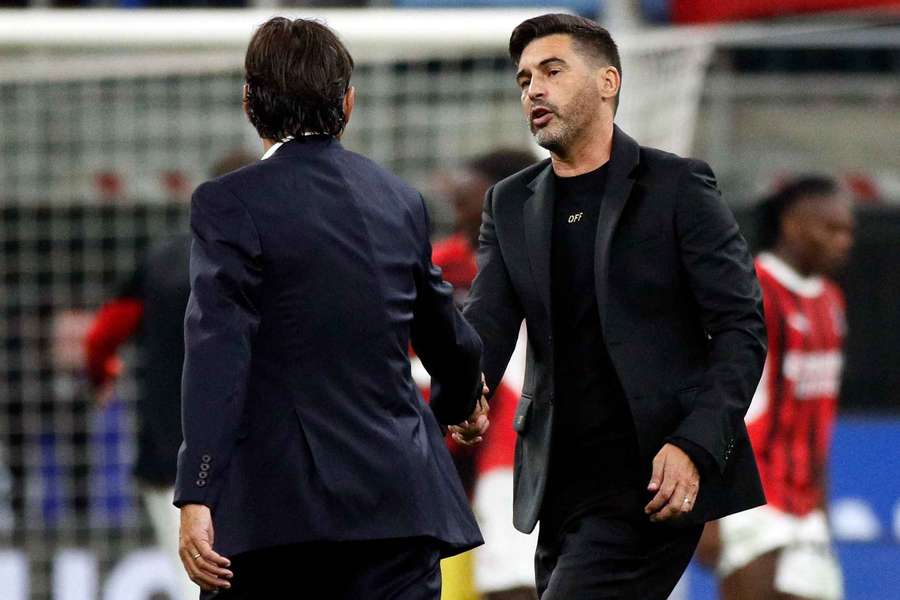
<point>540,116</point>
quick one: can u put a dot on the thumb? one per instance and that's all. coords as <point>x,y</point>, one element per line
<point>659,464</point>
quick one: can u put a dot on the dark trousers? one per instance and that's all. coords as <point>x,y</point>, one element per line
<point>394,569</point>
<point>596,557</point>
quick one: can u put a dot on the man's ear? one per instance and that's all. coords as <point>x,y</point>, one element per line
<point>349,103</point>
<point>609,81</point>
<point>244,103</point>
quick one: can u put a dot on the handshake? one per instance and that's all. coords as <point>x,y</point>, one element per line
<point>471,431</point>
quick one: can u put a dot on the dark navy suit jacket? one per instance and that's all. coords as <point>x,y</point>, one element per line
<point>311,275</point>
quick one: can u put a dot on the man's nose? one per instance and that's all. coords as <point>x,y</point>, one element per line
<point>536,90</point>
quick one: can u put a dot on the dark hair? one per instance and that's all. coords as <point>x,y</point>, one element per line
<point>297,74</point>
<point>587,34</point>
<point>501,163</point>
<point>772,208</point>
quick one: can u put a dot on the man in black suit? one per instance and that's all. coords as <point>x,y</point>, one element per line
<point>306,442</point>
<point>645,329</point>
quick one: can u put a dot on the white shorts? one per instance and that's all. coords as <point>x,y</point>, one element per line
<point>506,560</point>
<point>806,566</point>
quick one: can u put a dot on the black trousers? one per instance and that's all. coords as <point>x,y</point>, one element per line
<point>596,557</point>
<point>393,569</point>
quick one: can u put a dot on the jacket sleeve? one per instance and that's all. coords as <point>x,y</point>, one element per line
<point>446,344</point>
<point>220,323</point>
<point>493,306</point>
<point>723,283</point>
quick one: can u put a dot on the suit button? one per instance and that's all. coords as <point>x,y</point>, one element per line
<point>201,482</point>
<point>203,474</point>
<point>204,467</point>
<point>206,458</point>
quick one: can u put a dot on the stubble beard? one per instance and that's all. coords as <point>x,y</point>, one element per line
<point>568,123</point>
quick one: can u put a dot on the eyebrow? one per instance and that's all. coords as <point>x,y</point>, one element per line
<point>543,63</point>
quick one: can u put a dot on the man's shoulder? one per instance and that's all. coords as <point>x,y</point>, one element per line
<point>344,164</point>
<point>368,168</point>
<point>656,161</point>
<point>517,183</point>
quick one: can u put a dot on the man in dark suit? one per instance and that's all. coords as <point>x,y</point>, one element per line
<point>306,442</point>
<point>645,329</point>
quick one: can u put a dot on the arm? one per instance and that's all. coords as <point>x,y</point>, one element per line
<point>114,323</point>
<point>723,282</point>
<point>446,344</point>
<point>493,307</point>
<point>220,323</point>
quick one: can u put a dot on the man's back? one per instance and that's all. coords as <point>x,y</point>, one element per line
<point>325,262</point>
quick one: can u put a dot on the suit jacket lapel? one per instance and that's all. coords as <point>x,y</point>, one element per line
<point>623,160</point>
<point>538,221</point>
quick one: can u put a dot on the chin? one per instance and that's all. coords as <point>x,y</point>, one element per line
<point>548,141</point>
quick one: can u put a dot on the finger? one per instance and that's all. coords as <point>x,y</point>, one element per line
<point>193,572</point>
<point>481,424</point>
<point>212,569</point>
<point>202,578</point>
<point>467,441</point>
<point>464,432</point>
<point>210,555</point>
<point>674,507</point>
<point>666,488</point>
<point>201,571</point>
<point>659,465</point>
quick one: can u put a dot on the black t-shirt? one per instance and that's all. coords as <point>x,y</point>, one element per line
<point>594,458</point>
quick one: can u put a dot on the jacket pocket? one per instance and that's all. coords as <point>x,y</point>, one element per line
<point>523,414</point>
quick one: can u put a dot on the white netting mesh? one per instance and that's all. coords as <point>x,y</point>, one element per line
<point>144,95</point>
<point>101,112</point>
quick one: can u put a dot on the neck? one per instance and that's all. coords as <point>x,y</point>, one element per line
<point>590,152</point>
<point>267,143</point>
<point>783,252</point>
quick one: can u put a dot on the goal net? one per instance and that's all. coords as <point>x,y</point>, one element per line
<point>109,119</point>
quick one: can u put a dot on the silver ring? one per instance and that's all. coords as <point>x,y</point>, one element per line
<point>196,556</point>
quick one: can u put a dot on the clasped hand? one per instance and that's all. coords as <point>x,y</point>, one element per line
<point>471,431</point>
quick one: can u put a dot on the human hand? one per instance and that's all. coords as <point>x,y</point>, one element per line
<point>676,482</point>
<point>204,566</point>
<point>471,431</point>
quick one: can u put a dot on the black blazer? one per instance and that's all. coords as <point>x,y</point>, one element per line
<point>680,307</point>
<point>311,275</point>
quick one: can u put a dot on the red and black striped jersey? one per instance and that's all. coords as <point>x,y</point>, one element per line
<point>792,414</point>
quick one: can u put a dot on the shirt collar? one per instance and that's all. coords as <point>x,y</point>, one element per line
<point>786,275</point>
<point>274,148</point>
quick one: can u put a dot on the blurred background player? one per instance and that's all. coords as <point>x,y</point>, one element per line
<point>783,550</point>
<point>502,569</point>
<point>150,307</point>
